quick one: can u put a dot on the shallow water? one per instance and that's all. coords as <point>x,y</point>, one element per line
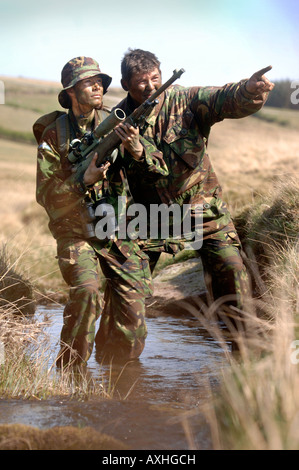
<point>166,384</point>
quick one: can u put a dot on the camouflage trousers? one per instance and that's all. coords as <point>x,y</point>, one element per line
<point>225,273</point>
<point>127,280</point>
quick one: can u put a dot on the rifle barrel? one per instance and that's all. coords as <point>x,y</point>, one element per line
<point>114,118</point>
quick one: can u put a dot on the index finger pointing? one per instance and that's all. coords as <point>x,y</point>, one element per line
<point>263,71</point>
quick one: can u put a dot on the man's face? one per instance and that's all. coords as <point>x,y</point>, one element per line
<point>143,85</point>
<point>88,93</point>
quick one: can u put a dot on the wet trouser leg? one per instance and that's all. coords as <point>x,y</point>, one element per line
<point>123,330</point>
<point>78,263</point>
<point>128,283</point>
<point>224,270</point>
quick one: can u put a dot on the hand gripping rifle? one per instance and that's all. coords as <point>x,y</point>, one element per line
<point>104,139</point>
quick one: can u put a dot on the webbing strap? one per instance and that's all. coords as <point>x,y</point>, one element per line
<point>63,134</point>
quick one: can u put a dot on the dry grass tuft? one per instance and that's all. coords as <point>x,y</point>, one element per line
<point>16,292</point>
<point>27,368</point>
<point>22,437</point>
<point>257,404</point>
<point>271,222</point>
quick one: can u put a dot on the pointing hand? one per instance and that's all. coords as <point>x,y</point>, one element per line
<point>258,83</point>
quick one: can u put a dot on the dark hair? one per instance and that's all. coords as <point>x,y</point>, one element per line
<point>137,60</point>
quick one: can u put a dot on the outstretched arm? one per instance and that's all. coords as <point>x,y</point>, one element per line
<point>232,101</point>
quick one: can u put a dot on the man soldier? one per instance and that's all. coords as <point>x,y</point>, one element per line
<point>123,264</point>
<point>176,135</point>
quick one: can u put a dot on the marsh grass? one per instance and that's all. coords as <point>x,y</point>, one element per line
<point>27,368</point>
<point>257,404</point>
<point>16,291</point>
<point>273,220</point>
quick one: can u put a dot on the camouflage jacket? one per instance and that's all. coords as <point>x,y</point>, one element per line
<point>57,188</point>
<point>177,167</point>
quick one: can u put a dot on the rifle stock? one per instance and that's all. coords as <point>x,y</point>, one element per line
<point>106,146</point>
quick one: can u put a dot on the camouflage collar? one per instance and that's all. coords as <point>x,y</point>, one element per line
<point>77,130</point>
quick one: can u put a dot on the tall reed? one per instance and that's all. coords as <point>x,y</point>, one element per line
<point>256,405</point>
<point>27,369</point>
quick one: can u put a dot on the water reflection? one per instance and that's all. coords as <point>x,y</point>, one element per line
<point>169,380</point>
<point>178,360</point>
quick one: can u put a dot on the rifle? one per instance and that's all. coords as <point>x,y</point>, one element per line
<point>80,148</point>
<point>83,151</point>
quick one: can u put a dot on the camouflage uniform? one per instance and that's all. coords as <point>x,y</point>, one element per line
<point>124,266</point>
<point>175,138</point>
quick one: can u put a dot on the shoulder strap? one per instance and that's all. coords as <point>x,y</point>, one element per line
<point>63,134</point>
<point>61,120</point>
<point>44,121</point>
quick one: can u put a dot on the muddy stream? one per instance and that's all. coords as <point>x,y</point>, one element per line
<point>157,398</point>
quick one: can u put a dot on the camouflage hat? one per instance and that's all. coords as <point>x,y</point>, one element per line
<point>78,69</point>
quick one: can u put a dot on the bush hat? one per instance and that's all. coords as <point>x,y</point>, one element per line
<point>78,69</point>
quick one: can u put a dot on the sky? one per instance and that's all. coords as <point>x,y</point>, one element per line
<point>215,41</point>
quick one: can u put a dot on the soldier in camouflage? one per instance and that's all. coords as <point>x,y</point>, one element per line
<point>171,163</point>
<point>123,264</point>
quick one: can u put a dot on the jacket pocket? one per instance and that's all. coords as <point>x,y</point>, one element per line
<point>184,139</point>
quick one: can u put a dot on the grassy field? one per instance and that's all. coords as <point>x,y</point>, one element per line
<point>257,162</point>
